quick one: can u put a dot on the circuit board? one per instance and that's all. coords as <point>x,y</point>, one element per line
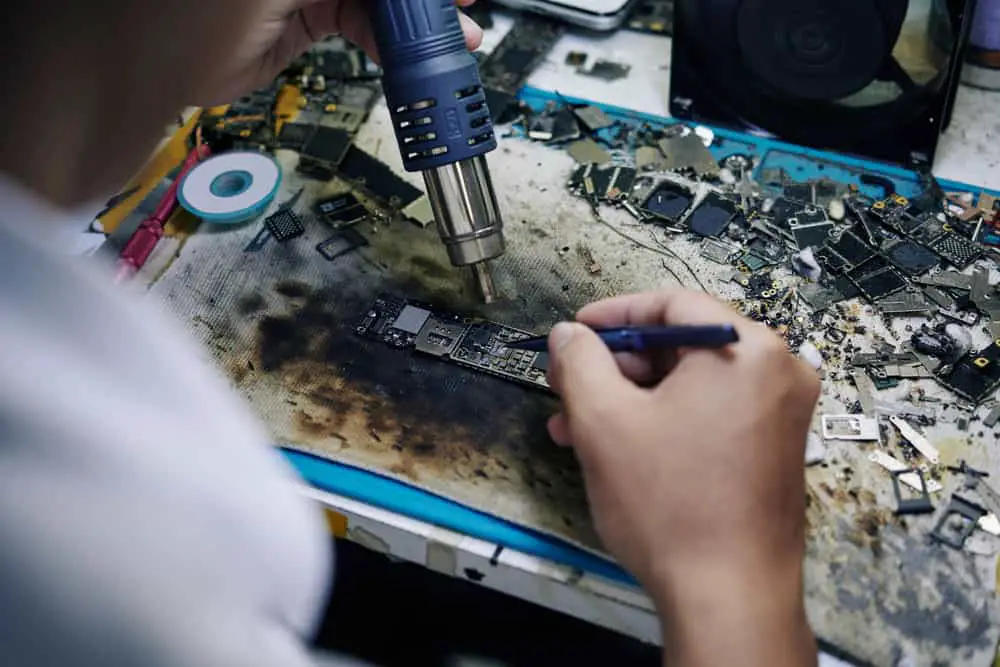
<point>473,343</point>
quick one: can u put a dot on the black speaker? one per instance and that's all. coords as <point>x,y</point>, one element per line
<point>819,73</point>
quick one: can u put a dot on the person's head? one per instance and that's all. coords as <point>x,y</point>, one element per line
<point>90,86</point>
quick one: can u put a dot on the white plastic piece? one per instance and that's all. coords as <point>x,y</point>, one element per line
<point>989,524</point>
<point>850,427</point>
<point>806,265</point>
<point>915,438</point>
<point>706,134</point>
<point>837,209</point>
<point>911,479</point>
<point>815,450</point>
<point>809,354</point>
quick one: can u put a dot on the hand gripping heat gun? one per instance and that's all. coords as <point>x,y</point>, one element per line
<point>442,125</point>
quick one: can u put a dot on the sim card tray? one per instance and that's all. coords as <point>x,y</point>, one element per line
<point>919,505</point>
<point>970,514</point>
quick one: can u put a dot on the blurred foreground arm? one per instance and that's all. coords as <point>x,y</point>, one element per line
<point>693,464</point>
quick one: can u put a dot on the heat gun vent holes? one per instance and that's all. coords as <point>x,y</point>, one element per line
<point>480,138</point>
<point>479,122</point>
<point>466,92</point>
<point>417,106</point>
<point>416,122</point>
<point>419,138</point>
<point>430,152</point>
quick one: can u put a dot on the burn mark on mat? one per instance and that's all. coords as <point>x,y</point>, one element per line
<point>436,416</point>
<point>250,304</point>
<point>292,289</point>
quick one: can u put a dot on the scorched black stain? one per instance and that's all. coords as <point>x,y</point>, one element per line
<point>250,304</point>
<point>432,403</point>
<point>293,289</point>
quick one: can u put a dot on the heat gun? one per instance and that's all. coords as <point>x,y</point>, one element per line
<point>442,125</point>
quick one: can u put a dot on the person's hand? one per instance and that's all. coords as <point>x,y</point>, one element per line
<point>284,29</point>
<point>693,463</point>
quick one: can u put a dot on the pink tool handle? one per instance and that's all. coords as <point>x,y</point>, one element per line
<point>138,249</point>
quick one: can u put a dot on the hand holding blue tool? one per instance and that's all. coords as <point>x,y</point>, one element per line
<point>641,339</point>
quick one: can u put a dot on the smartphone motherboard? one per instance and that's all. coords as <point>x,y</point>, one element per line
<point>473,343</point>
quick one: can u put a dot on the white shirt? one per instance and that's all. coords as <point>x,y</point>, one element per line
<point>144,520</point>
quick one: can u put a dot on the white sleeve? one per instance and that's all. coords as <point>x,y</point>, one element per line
<point>143,518</point>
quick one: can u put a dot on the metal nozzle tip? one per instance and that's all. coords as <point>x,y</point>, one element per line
<point>484,281</point>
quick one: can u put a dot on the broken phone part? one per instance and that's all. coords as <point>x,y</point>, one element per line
<point>668,202</point>
<point>344,241</point>
<point>906,505</point>
<point>957,523</point>
<point>904,473</point>
<point>476,344</point>
<point>850,427</point>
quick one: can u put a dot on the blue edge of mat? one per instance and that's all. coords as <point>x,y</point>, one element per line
<point>394,496</point>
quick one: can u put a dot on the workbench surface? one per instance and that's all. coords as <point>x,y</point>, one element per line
<point>280,323</point>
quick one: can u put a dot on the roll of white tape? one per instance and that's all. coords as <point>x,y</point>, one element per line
<point>230,188</point>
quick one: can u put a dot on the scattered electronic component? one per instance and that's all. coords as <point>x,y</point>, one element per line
<point>993,418</point>
<point>687,151</point>
<point>976,376</point>
<point>957,250</point>
<point>850,427</point>
<point>655,16</point>
<point>341,210</point>
<point>912,506</point>
<point>377,178</point>
<point>285,225</point>
<point>323,152</point>
<point>514,59</point>
<point>294,136</point>
<point>711,216</point>
<point>905,303</point>
<point>259,241</point>
<point>717,251</point>
<point>593,118</point>
<point>607,70</point>
<point>954,533</point>
<point>606,182</point>
<point>588,151</point>
<point>906,475</point>
<point>916,439</point>
<point>810,235</point>
<point>911,258</point>
<point>344,241</point>
<point>669,202</point>
<point>649,158</point>
<point>477,344</point>
<point>880,284</point>
<point>576,58</point>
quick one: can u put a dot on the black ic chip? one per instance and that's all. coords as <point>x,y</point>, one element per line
<point>712,216</point>
<point>285,226</point>
<point>344,241</point>
<point>852,248</point>
<point>328,145</point>
<point>294,136</point>
<point>957,250</point>
<point>669,202</point>
<point>881,284</point>
<point>912,258</point>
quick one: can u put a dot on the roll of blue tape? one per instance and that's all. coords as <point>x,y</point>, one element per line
<point>230,188</point>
